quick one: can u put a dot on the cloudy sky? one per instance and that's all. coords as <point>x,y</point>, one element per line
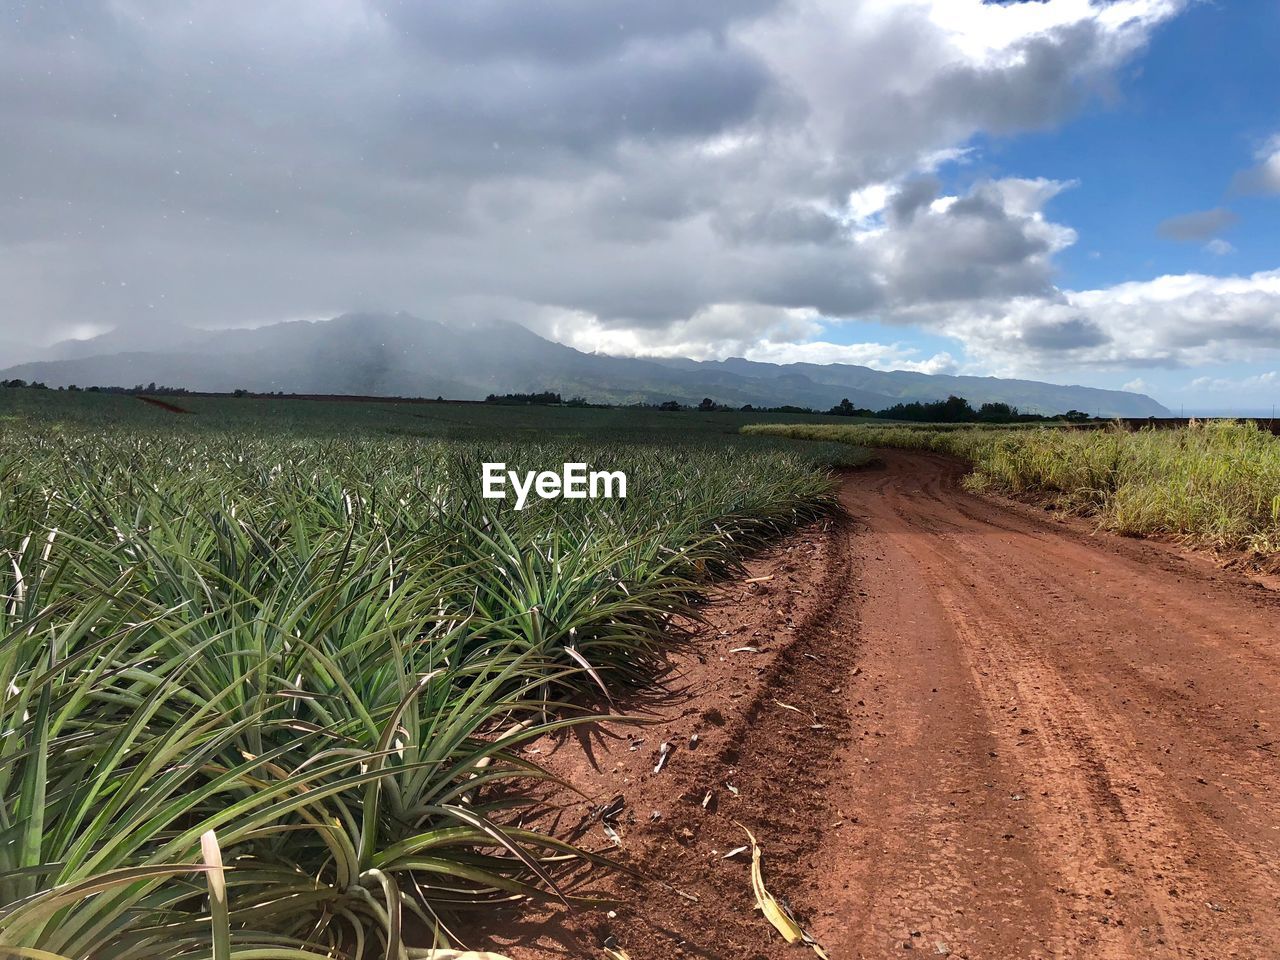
<point>1076,191</point>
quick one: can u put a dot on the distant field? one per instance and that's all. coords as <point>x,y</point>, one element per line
<point>1215,484</point>
<point>294,629</point>
<point>437,420</point>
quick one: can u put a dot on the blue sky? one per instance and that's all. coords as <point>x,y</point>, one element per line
<point>1182,120</point>
<point>1189,114</point>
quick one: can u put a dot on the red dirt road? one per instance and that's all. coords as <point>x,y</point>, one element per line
<point>1014,739</point>
<point>1072,747</point>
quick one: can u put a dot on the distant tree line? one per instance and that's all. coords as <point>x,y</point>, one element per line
<point>151,388</point>
<point>547,399</point>
<point>951,410</point>
<point>707,405</point>
<point>544,398</point>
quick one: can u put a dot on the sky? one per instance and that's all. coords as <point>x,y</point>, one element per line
<point>1081,192</point>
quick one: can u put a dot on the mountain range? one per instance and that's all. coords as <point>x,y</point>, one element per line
<point>401,355</point>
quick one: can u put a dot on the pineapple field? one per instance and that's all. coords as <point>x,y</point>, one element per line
<point>265,668</point>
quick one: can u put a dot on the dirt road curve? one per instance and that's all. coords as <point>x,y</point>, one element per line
<point>1072,745</point>
<point>1013,740</point>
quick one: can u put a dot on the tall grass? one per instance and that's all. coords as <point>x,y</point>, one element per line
<point>263,695</point>
<point>1214,483</point>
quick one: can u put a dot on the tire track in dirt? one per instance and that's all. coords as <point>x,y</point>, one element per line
<point>760,683</point>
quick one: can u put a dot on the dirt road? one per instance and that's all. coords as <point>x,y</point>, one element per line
<point>1071,749</point>
<point>1012,739</point>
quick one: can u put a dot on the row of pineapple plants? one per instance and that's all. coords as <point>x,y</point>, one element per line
<point>265,695</point>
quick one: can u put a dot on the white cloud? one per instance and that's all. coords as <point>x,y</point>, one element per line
<point>628,168</point>
<point>1265,177</point>
<point>879,356</point>
<point>1268,383</point>
<point>1137,385</point>
<point>765,334</point>
<point>1219,247</point>
<point>865,205</point>
<point>1170,321</point>
<point>977,268</point>
<point>713,333</point>
<point>986,31</point>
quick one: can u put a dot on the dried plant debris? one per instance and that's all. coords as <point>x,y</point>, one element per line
<point>664,752</point>
<point>775,911</point>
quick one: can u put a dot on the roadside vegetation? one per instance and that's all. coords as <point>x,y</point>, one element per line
<point>266,671</point>
<point>1214,483</point>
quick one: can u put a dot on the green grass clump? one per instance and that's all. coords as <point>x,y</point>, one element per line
<point>1214,483</point>
<point>313,654</point>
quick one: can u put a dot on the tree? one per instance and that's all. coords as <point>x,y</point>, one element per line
<point>846,409</point>
<point>996,412</point>
<point>707,404</point>
<point>956,410</point>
